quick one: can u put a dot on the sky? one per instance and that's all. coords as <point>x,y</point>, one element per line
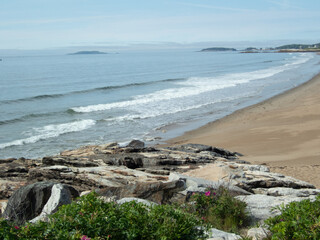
<point>39,24</point>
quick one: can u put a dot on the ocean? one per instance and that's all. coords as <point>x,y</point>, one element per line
<point>53,103</point>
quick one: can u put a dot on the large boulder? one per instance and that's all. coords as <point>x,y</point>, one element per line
<point>28,201</point>
<point>60,195</point>
<point>260,207</point>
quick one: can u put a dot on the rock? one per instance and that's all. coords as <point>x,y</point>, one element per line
<point>194,184</point>
<point>3,205</point>
<point>251,177</point>
<point>138,200</point>
<point>136,144</point>
<point>258,233</point>
<point>107,146</point>
<point>216,234</point>
<point>60,195</point>
<point>195,148</point>
<point>8,187</point>
<point>13,169</point>
<point>132,160</point>
<point>225,153</point>
<point>261,179</point>
<point>282,191</point>
<point>51,161</point>
<point>154,190</point>
<point>28,201</point>
<point>260,207</point>
<point>85,151</point>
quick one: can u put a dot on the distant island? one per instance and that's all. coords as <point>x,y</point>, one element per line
<point>218,49</point>
<point>87,52</point>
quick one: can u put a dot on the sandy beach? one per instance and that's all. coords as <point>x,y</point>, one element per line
<point>282,132</point>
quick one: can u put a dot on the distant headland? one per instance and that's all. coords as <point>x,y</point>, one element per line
<point>87,52</point>
<point>218,49</point>
<point>281,49</point>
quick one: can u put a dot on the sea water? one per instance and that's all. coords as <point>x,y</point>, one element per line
<point>58,102</point>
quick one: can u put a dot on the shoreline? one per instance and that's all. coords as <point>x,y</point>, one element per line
<point>282,132</point>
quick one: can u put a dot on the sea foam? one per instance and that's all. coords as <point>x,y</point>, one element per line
<point>196,85</point>
<point>51,131</point>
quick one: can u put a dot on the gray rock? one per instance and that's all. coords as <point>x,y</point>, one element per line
<point>195,148</point>
<point>60,195</point>
<point>65,161</point>
<point>281,191</point>
<point>130,160</point>
<point>199,185</point>
<point>28,201</point>
<point>136,144</point>
<point>258,233</point>
<point>216,234</point>
<point>260,207</point>
<point>259,179</point>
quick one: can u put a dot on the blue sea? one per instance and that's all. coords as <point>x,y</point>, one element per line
<point>52,103</point>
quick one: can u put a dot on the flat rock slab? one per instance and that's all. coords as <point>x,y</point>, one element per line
<point>261,207</point>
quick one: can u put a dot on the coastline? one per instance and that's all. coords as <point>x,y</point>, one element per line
<point>282,132</point>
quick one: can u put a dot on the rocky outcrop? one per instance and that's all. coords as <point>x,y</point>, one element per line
<point>28,201</point>
<point>253,178</point>
<point>158,175</point>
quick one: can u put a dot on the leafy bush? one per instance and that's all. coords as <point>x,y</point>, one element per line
<point>7,230</point>
<point>220,209</point>
<point>298,220</point>
<point>92,218</point>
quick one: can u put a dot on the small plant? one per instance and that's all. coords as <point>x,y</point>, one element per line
<point>220,209</point>
<point>298,220</point>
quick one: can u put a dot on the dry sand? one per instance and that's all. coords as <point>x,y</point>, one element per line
<point>283,132</point>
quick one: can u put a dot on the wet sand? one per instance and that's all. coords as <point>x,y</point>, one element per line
<point>282,132</point>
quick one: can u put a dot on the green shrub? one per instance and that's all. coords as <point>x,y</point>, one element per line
<point>220,209</point>
<point>298,220</point>
<point>8,231</point>
<point>92,218</point>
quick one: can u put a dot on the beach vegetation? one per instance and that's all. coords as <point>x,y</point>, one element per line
<point>298,220</point>
<point>92,218</point>
<point>219,209</point>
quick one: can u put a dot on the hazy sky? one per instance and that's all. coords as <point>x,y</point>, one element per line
<point>35,24</point>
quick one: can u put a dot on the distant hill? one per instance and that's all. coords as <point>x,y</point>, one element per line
<point>87,52</point>
<point>218,49</point>
<point>299,46</point>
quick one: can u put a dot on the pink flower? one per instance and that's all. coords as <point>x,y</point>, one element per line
<point>84,237</point>
<point>214,194</point>
<point>16,227</point>
<point>208,193</point>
